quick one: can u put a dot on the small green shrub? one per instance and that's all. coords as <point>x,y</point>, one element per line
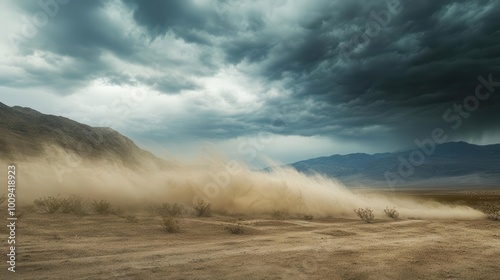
<point>203,209</point>
<point>48,204</point>
<point>365,214</point>
<point>170,224</point>
<point>102,207</point>
<point>391,213</point>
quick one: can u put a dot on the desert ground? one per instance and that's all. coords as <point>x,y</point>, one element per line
<point>94,246</point>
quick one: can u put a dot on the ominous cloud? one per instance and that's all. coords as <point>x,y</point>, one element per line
<point>375,73</point>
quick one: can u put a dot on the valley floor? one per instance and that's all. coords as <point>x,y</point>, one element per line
<point>63,246</point>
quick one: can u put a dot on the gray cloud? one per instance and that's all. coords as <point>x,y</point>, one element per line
<point>389,92</point>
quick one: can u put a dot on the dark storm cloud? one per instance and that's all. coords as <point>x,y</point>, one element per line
<point>396,87</point>
<point>86,34</point>
<point>426,59</point>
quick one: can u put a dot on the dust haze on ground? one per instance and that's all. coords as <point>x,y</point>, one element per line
<point>432,240</point>
<point>229,186</point>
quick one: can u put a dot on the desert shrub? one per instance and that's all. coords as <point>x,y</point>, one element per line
<point>170,210</point>
<point>279,214</point>
<point>203,209</point>
<point>308,217</point>
<point>48,204</point>
<point>118,211</point>
<point>74,204</point>
<point>3,198</point>
<point>131,219</point>
<point>65,205</point>
<point>102,207</point>
<point>170,224</point>
<point>391,213</point>
<point>234,228</point>
<point>365,214</point>
<point>494,216</point>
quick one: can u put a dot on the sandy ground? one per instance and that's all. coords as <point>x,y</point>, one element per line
<point>63,246</point>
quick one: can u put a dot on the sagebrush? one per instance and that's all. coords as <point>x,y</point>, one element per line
<point>308,217</point>
<point>365,214</point>
<point>48,204</point>
<point>279,214</point>
<point>495,216</point>
<point>170,210</point>
<point>74,204</point>
<point>102,207</point>
<point>203,209</point>
<point>234,228</point>
<point>170,224</point>
<point>391,213</point>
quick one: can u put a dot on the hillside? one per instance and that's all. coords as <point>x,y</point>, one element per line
<point>25,133</point>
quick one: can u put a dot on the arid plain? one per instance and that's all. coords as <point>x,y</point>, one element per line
<point>94,246</point>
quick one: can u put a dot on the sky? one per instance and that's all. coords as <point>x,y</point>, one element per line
<point>276,79</point>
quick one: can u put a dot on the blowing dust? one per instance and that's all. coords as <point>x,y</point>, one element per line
<point>230,187</point>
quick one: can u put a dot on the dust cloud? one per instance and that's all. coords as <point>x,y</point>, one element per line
<point>229,186</point>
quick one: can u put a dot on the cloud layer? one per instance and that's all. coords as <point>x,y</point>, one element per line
<point>374,73</point>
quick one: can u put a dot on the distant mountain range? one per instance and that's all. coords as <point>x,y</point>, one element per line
<point>25,133</point>
<point>452,164</point>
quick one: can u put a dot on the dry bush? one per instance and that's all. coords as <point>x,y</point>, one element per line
<point>102,207</point>
<point>170,224</point>
<point>391,213</point>
<point>3,198</point>
<point>118,211</point>
<point>74,204</point>
<point>279,214</point>
<point>131,219</point>
<point>365,214</point>
<point>492,211</point>
<point>308,217</point>
<point>495,216</point>
<point>234,228</point>
<point>170,210</point>
<point>203,209</point>
<point>48,204</point>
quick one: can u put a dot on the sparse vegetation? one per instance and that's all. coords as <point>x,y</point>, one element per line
<point>48,204</point>
<point>170,224</point>
<point>308,217</point>
<point>391,213</point>
<point>118,211</point>
<point>492,211</point>
<point>279,214</point>
<point>102,207</point>
<point>74,204</point>
<point>365,214</point>
<point>203,209</point>
<point>494,216</point>
<point>170,210</point>
<point>234,228</point>
<point>491,207</point>
<point>131,219</point>
<point>3,198</point>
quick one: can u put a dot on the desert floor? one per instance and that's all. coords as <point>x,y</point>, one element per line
<point>64,246</point>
